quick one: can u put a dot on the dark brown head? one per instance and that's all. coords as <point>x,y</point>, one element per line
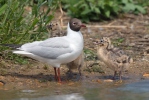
<point>75,24</point>
<point>104,42</point>
<point>52,26</point>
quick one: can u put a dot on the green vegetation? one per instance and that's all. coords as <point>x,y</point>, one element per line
<point>23,21</point>
<point>144,3</point>
<point>18,25</point>
<point>95,68</point>
<point>101,9</point>
<point>90,55</point>
<point>118,41</point>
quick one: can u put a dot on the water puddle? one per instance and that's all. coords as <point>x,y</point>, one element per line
<point>82,91</point>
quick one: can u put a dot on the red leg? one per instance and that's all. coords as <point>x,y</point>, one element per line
<point>59,79</point>
<point>56,77</point>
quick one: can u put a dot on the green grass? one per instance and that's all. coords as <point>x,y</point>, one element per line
<point>89,54</point>
<point>18,25</point>
<point>118,41</point>
<point>94,68</point>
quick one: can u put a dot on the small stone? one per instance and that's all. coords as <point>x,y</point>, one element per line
<point>99,81</point>
<point>146,75</point>
<point>2,83</point>
<point>70,83</point>
<point>132,44</point>
<point>108,80</point>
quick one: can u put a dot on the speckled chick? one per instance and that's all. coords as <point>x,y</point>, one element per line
<point>114,58</point>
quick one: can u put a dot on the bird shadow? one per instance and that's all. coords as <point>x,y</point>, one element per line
<point>74,76</point>
<point>111,77</point>
<point>44,77</point>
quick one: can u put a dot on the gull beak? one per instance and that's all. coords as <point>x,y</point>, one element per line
<point>83,25</point>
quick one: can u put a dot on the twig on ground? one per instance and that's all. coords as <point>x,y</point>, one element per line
<point>61,17</point>
<point>104,26</point>
<point>111,23</point>
<point>107,26</point>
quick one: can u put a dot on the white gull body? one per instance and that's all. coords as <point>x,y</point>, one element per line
<point>55,51</point>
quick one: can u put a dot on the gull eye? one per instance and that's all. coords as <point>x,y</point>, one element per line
<point>74,23</point>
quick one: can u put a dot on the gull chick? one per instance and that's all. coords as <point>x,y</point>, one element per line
<point>114,58</point>
<point>58,50</point>
<point>54,29</point>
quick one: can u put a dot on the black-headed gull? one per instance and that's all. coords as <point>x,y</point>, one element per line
<point>55,30</point>
<point>58,50</point>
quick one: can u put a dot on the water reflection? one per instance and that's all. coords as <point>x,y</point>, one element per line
<point>74,96</point>
<point>138,87</point>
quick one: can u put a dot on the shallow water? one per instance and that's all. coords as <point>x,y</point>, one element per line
<point>82,91</point>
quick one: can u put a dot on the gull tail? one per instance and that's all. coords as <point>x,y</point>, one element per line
<point>14,46</point>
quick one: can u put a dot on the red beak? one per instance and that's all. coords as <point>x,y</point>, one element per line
<point>83,25</point>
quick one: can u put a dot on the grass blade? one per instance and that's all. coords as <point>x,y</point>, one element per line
<point>3,8</point>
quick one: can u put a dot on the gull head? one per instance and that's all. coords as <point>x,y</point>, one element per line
<point>75,24</point>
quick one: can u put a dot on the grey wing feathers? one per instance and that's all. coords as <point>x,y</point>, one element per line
<point>50,48</point>
<point>27,46</point>
<point>55,42</point>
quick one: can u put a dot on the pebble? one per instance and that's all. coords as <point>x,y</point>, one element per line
<point>146,75</point>
<point>108,80</point>
<point>2,83</point>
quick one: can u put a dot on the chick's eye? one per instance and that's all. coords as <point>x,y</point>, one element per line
<point>101,41</point>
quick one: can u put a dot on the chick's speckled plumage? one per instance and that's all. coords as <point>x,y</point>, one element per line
<point>114,58</point>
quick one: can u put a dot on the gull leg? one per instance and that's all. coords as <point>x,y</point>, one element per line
<point>59,79</point>
<point>56,77</point>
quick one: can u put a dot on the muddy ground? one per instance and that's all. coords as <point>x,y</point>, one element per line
<point>128,32</point>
